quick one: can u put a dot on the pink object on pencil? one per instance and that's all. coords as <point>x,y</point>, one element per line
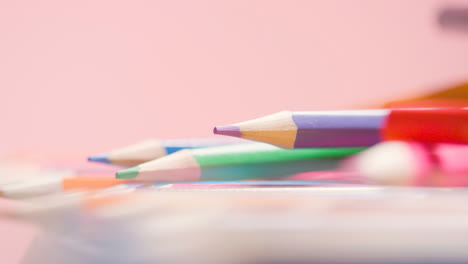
<point>410,163</point>
<point>452,158</point>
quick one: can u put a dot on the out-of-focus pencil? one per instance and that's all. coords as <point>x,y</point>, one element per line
<point>154,148</point>
<point>236,162</point>
<point>455,92</point>
<point>431,103</point>
<point>37,187</point>
<point>354,128</point>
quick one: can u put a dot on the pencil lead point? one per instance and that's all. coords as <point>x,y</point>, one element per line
<point>128,173</point>
<point>102,158</point>
<point>232,131</point>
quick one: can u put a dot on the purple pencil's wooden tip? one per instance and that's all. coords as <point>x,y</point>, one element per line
<point>232,131</point>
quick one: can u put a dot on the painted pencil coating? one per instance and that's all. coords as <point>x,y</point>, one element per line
<point>255,153</point>
<point>237,162</point>
<point>445,125</point>
<point>271,170</point>
<point>431,103</point>
<point>355,128</point>
<point>338,128</point>
<point>456,92</point>
<point>174,145</point>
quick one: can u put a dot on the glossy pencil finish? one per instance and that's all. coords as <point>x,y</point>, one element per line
<point>411,163</point>
<point>354,128</point>
<point>236,162</point>
<point>154,148</point>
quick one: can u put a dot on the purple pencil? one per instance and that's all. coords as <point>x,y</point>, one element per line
<point>354,128</point>
<point>312,129</point>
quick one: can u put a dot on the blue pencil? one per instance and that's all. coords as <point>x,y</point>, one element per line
<point>152,149</point>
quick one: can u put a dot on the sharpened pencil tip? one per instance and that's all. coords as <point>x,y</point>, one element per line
<point>232,131</point>
<point>102,158</point>
<point>128,173</point>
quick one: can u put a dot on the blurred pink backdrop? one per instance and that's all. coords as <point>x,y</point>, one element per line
<point>91,75</point>
<point>100,74</point>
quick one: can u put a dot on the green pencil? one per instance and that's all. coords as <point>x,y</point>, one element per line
<point>236,162</point>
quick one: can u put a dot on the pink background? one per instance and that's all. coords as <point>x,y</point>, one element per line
<point>90,75</point>
<point>107,73</point>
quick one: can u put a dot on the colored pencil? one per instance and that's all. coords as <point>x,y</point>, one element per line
<point>154,148</point>
<point>354,128</point>
<point>236,162</point>
<point>431,103</point>
<point>411,163</point>
<point>37,187</point>
<point>458,91</point>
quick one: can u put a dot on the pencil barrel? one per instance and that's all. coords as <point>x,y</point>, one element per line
<point>427,126</point>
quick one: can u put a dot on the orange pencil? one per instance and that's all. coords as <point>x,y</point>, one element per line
<point>36,187</point>
<point>430,103</point>
<point>456,92</point>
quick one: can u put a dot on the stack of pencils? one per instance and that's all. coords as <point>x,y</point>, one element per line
<point>292,187</point>
<point>419,141</point>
